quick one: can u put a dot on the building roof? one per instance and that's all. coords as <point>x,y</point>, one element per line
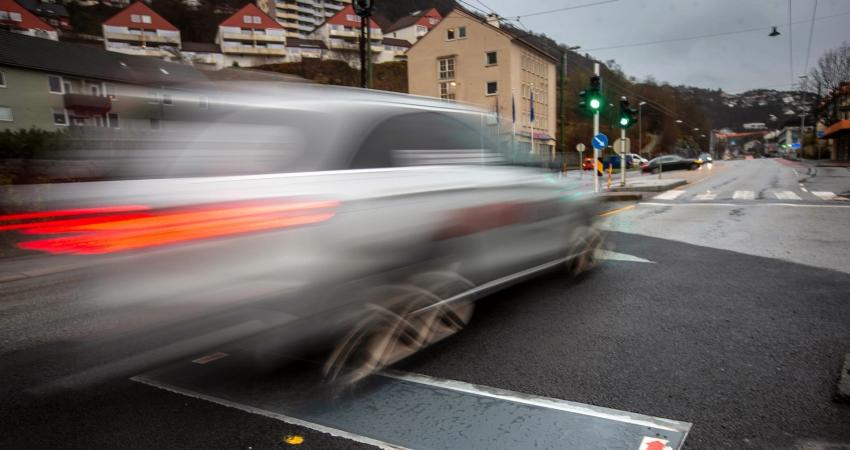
<point>251,10</point>
<point>46,9</point>
<point>124,18</point>
<point>838,129</point>
<point>343,18</point>
<point>65,58</point>
<point>416,18</point>
<point>28,20</point>
<point>305,43</point>
<point>397,42</point>
<point>200,47</point>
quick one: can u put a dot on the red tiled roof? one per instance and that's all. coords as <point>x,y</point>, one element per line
<point>342,18</point>
<point>237,19</point>
<point>124,18</point>
<point>28,19</point>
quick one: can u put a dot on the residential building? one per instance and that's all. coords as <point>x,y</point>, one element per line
<point>250,37</point>
<point>473,59</point>
<point>138,30</point>
<point>55,85</point>
<point>414,25</point>
<point>54,14</point>
<point>297,49</point>
<point>204,55</point>
<point>17,19</point>
<point>394,50</point>
<point>341,34</point>
<point>300,17</point>
<point>837,105</point>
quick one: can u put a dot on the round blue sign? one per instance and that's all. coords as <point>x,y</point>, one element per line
<point>600,141</point>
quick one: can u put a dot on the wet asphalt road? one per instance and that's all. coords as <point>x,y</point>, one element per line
<point>740,334</point>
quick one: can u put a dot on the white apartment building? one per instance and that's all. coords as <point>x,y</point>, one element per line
<point>300,17</point>
<point>250,37</point>
<point>138,30</point>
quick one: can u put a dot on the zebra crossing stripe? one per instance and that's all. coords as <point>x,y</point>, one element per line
<point>706,196</point>
<point>825,195</point>
<point>744,195</point>
<point>669,195</point>
<point>786,195</point>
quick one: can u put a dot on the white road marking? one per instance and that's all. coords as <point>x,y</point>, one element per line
<point>209,358</point>
<point>795,205</point>
<point>270,414</point>
<point>543,402</point>
<point>706,196</point>
<point>795,173</point>
<point>824,194</point>
<point>614,256</point>
<point>669,195</point>
<point>804,189</point>
<point>744,195</point>
<point>786,195</point>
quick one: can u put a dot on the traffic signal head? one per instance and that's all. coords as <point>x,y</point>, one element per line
<point>627,115</point>
<point>591,99</point>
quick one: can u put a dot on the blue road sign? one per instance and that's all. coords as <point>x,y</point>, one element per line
<point>600,141</point>
<point>795,145</point>
<point>820,133</point>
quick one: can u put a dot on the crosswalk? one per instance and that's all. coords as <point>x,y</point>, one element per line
<point>784,195</point>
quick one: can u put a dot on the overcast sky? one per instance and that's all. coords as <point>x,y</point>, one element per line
<point>735,62</point>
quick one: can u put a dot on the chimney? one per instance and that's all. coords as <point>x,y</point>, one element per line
<point>493,19</point>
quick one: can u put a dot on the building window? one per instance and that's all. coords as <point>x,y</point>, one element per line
<point>60,117</point>
<point>5,114</point>
<point>461,32</point>
<point>135,18</point>
<point>2,79</point>
<point>113,120</point>
<point>492,59</point>
<point>54,84</point>
<point>492,88</point>
<point>450,34</point>
<point>16,17</point>
<point>95,90</point>
<point>447,90</point>
<point>146,19</point>
<point>446,68</point>
<point>154,124</point>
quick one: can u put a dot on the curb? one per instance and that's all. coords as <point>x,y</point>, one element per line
<point>621,196</point>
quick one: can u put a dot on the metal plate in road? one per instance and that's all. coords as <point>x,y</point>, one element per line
<point>413,411</point>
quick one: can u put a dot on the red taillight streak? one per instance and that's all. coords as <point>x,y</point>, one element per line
<point>73,212</point>
<point>66,226</point>
<point>170,228</point>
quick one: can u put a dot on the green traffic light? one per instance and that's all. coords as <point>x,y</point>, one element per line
<point>624,121</point>
<point>595,103</point>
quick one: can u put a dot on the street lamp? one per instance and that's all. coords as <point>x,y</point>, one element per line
<point>678,120</point>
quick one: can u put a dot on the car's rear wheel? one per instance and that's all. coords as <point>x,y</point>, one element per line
<point>589,241</point>
<point>403,320</point>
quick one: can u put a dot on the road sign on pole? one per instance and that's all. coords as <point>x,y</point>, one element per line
<point>622,146</point>
<point>596,133</point>
<point>580,147</point>
<point>600,141</point>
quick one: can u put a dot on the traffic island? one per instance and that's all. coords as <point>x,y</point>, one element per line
<point>649,185</point>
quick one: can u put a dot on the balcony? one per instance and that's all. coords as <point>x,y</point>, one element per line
<point>344,33</point>
<point>85,105</point>
<point>254,37</point>
<point>247,50</point>
<point>135,37</point>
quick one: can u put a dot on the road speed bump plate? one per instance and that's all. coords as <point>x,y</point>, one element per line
<point>414,411</point>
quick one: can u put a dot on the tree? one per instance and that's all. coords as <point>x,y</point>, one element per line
<point>833,68</point>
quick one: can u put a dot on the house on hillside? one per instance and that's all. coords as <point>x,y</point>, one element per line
<point>837,105</point>
<point>299,18</point>
<point>250,38</point>
<point>341,34</point>
<point>17,19</point>
<point>138,30</point>
<point>394,50</point>
<point>414,25</point>
<point>298,49</point>
<point>54,14</point>
<point>473,59</point>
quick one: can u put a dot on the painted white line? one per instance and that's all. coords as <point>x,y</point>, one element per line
<point>543,402</point>
<point>209,358</point>
<point>795,205</point>
<point>824,194</point>
<point>270,414</point>
<point>706,196</point>
<point>795,172</point>
<point>803,189</point>
<point>786,195</point>
<point>614,256</point>
<point>744,195</point>
<point>669,195</point>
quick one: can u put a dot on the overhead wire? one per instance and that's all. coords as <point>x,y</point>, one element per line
<point>811,35</point>
<point>566,8</point>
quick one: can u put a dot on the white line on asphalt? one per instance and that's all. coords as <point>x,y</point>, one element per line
<point>705,196</point>
<point>270,414</point>
<point>744,195</point>
<point>796,205</point>
<point>614,256</point>
<point>669,195</point>
<point>795,173</point>
<point>786,195</point>
<point>804,189</point>
<point>543,402</point>
<point>824,194</point>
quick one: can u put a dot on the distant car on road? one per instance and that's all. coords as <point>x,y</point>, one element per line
<point>671,162</point>
<point>705,157</point>
<point>638,160</point>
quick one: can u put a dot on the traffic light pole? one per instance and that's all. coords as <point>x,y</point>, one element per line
<point>363,25</point>
<point>622,156</point>
<point>595,132</point>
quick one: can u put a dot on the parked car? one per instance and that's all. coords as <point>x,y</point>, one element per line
<point>638,160</point>
<point>671,162</point>
<point>334,216</point>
